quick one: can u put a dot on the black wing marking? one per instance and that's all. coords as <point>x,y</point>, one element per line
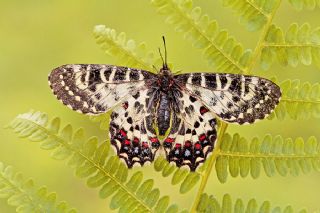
<point>95,88</point>
<point>192,135</point>
<point>234,98</point>
<point>132,132</point>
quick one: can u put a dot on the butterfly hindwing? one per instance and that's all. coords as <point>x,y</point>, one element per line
<point>95,88</point>
<point>131,130</point>
<point>234,98</point>
<point>193,134</point>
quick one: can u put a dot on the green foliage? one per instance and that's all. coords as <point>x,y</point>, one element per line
<point>238,156</point>
<point>299,100</point>
<point>253,14</point>
<point>26,196</point>
<point>303,4</point>
<point>128,52</point>
<point>210,204</point>
<point>219,49</point>
<point>297,44</point>
<point>182,176</point>
<point>91,160</point>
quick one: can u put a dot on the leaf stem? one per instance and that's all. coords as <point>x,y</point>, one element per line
<point>205,175</point>
<point>260,44</point>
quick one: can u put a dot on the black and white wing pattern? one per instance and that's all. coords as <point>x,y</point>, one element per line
<point>95,88</point>
<point>132,132</point>
<point>234,98</point>
<point>193,133</point>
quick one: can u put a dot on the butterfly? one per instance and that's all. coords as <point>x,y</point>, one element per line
<point>163,114</point>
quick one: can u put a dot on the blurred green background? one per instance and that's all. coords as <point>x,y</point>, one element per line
<point>39,35</point>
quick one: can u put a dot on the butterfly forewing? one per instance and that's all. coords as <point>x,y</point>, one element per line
<point>95,88</point>
<point>234,98</point>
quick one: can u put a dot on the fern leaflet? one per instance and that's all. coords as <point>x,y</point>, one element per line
<point>220,50</point>
<point>299,100</point>
<point>128,52</point>
<point>210,204</point>
<point>253,14</point>
<point>297,44</point>
<point>237,156</point>
<point>26,196</point>
<point>92,161</point>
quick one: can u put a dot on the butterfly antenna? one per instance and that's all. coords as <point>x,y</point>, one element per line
<point>163,63</point>
<point>165,51</point>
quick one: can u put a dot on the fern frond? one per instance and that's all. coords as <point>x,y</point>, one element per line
<point>26,196</point>
<point>299,100</point>
<point>211,204</point>
<point>253,14</point>
<point>238,156</point>
<point>127,51</point>
<point>219,49</point>
<point>297,44</point>
<point>302,4</point>
<point>91,161</point>
<point>186,179</point>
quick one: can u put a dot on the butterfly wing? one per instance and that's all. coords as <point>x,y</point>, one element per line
<point>192,135</point>
<point>132,131</point>
<point>95,88</point>
<point>234,98</point>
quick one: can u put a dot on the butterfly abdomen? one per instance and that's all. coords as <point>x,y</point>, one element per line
<point>164,114</point>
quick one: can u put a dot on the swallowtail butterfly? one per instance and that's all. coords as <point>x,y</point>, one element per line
<point>181,109</point>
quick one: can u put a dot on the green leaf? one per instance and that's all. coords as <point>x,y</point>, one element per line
<point>253,14</point>
<point>25,196</point>
<point>219,49</point>
<point>128,52</point>
<point>274,154</point>
<point>91,160</point>
<point>304,4</point>
<point>211,204</point>
<point>297,44</point>
<point>299,100</point>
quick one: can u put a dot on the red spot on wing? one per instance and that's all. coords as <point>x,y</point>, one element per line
<point>123,133</point>
<point>145,144</point>
<point>125,105</point>
<point>136,140</point>
<point>178,145</point>
<point>127,142</point>
<point>202,137</point>
<point>197,146</point>
<point>203,110</point>
<point>154,140</point>
<point>187,144</point>
<point>169,140</point>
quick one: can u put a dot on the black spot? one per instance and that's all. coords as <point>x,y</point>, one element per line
<point>94,77</point>
<point>126,114</point>
<point>98,96</point>
<point>192,99</point>
<point>114,115</point>
<point>120,74</point>
<point>131,129</point>
<point>188,131</point>
<point>107,73</point>
<point>197,92</point>
<point>134,75</point>
<point>137,127</point>
<point>235,85</point>
<point>129,120</point>
<point>201,119</point>
<point>229,105</point>
<point>194,132</point>
<point>196,79</point>
<point>211,81</point>
<point>223,80</point>
<point>212,122</point>
<point>196,124</point>
<point>235,98</point>
<point>137,95</point>
<point>137,104</point>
